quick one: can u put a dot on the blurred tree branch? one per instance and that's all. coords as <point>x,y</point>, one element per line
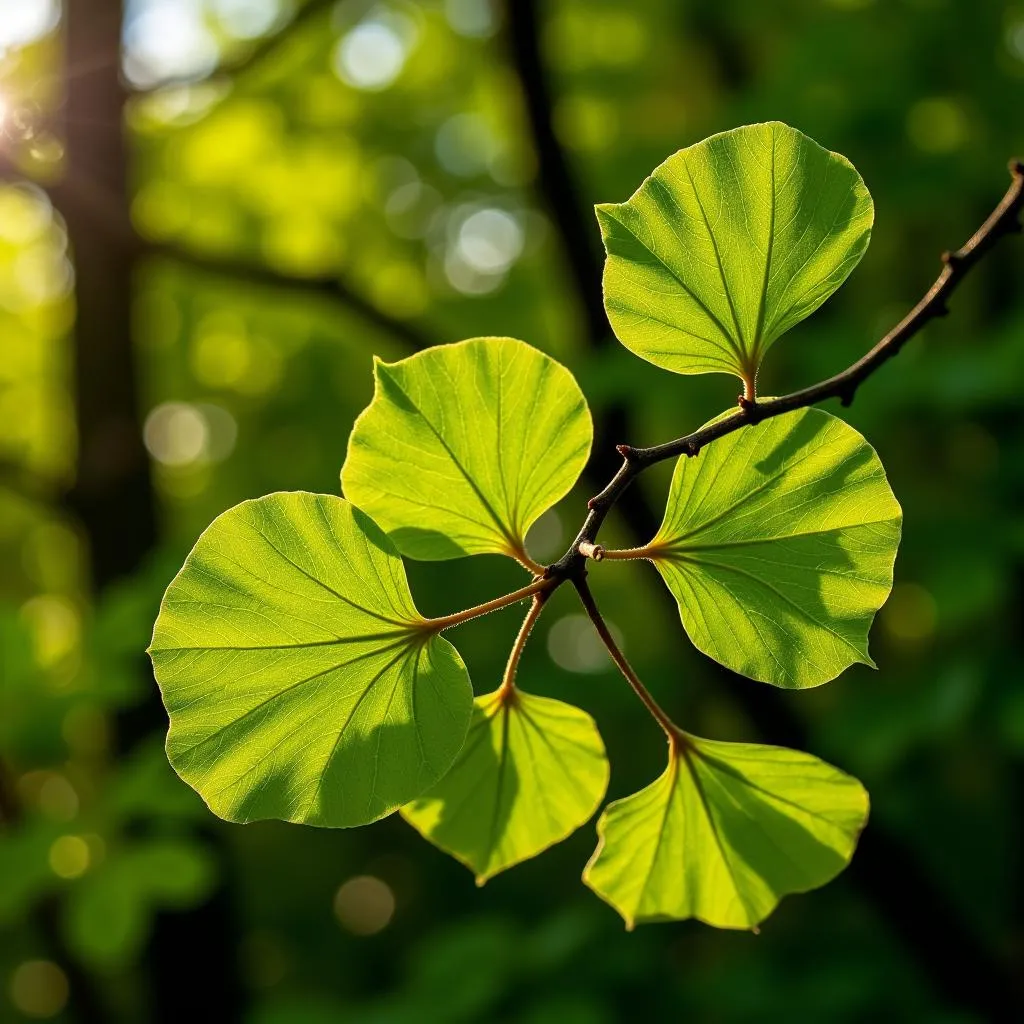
<point>328,287</point>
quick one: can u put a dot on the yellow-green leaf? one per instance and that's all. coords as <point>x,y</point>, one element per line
<point>778,543</point>
<point>464,446</point>
<point>298,676</point>
<point>532,771</point>
<point>725,833</point>
<point>728,244</point>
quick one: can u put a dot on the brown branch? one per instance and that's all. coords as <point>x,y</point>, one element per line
<point>1002,221</point>
<point>542,585</point>
<point>674,733</point>
<point>508,680</point>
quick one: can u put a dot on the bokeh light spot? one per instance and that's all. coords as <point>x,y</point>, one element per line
<point>476,19</point>
<point>938,125</point>
<point>69,857</point>
<point>364,905</point>
<point>490,241</point>
<point>372,55</point>
<point>574,645</point>
<point>55,626</point>
<point>544,539</point>
<point>176,434</point>
<point>39,989</point>
<point>910,615</point>
<point>24,21</point>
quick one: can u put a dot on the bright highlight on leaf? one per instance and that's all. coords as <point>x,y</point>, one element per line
<point>778,543</point>
<point>532,771</point>
<point>730,243</point>
<point>725,833</point>
<point>299,678</point>
<point>465,446</point>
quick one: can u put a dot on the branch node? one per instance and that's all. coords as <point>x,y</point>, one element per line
<point>951,259</point>
<point>691,448</point>
<point>592,502</point>
<point>750,408</point>
<point>628,452</point>
<point>589,550</point>
<point>1017,168</point>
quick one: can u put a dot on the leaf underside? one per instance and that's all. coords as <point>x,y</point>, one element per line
<point>778,543</point>
<point>464,446</point>
<point>532,771</point>
<point>296,672</point>
<point>725,833</point>
<point>729,244</point>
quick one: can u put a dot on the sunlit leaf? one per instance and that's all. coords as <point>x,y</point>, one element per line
<point>532,771</point>
<point>728,244</point>
<point>778,543</point>
<point>464,446</point>
<point>298,676</point>
<point>725,833</point>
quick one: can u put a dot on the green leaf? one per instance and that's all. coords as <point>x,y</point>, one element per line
<point>464,446</point>
<point>725,833</point>
<point>778,543</point>
<point>300,680</point>
<point>532,771</point>
<point>730,243</point>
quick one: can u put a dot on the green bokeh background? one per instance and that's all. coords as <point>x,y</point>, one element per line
<point>420,192</point>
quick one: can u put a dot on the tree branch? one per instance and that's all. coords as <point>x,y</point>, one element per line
<point>541,585</point>
<point>674,733</point>
<point>554,178</point>
<point>508,680</point>
<point>327,286</point>
<point>1004,220</point>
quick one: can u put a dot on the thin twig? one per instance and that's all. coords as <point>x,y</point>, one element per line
<point>1002,221</point>
<point>543,585</point>
<point>674,733</point>
<point>508,681</point>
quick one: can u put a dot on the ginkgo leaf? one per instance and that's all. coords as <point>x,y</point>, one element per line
<point>728,244</point>
<point>300,681</point>
<point>725,833</point>
<point>464,446</point>
<point>778,543</point>
<point>531,772</point>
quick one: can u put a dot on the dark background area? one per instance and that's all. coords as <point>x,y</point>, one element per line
<point>213,213</point>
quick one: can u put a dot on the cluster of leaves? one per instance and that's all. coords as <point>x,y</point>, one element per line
<point>303,684</point>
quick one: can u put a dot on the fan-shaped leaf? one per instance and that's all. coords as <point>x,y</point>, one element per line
<point>725,833</point>
<point>298,676</point>
<point>532,771</point>
<point>778,543</point>
<point>730,243</point>
<point>464,446</point>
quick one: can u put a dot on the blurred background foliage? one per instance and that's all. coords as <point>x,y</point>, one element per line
<point>312,184</point>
